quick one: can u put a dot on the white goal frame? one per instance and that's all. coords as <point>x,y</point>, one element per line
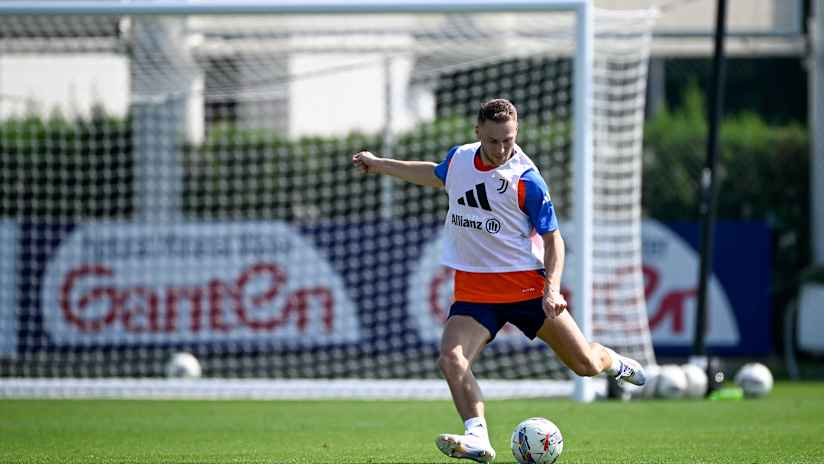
<point>582,81</point>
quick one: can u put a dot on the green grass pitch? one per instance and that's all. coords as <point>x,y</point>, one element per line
<point>786,427</point>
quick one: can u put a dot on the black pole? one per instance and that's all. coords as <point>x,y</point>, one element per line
<point>709,183</point>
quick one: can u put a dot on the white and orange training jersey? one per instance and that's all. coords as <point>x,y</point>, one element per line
<point>493,226</point>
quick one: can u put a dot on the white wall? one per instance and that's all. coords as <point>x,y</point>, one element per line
<point>338,94</point>
<point>68,83</point>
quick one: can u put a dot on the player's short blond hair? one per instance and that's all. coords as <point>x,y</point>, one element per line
<point>497,110</point>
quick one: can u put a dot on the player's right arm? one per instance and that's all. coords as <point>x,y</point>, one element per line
<point>417,172</point>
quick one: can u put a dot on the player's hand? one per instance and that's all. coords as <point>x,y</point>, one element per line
<point>554,302</point>
<point>365,161</point>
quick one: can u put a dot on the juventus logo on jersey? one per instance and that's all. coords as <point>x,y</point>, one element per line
<point>469,198</point>
<point>504,185</point>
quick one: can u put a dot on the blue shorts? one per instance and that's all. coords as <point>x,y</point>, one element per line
<point>526,315</point>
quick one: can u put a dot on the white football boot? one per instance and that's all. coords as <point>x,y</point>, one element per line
<point>466,447</point>
<point>629,370</point>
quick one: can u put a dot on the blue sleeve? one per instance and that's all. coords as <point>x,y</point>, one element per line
<point>538,204</point>
<point>440,170</point>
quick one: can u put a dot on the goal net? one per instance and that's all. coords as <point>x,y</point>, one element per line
<point>183,183</point>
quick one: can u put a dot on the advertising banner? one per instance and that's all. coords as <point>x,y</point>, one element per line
<point>283,287</point>
<point>740,323</point>
<point>124,283</point>
<point>671,287</point>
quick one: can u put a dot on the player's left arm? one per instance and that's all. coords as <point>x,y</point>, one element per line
<point>554,254</point>
<point>534,199</point>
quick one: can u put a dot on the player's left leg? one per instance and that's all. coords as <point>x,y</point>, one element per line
<point>584,358</point>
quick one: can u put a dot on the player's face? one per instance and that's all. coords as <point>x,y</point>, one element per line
<point>497,140</point>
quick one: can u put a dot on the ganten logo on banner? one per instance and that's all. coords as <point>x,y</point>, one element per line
<point>124,283</point>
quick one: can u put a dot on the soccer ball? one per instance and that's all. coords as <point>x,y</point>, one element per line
<point>696,381</point>
<point>183,366</point>
<point>537,441</point>
<point>755,379</point>
<point>672,382</point>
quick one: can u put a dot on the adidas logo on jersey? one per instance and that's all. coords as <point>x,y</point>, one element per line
<point>469,198</point>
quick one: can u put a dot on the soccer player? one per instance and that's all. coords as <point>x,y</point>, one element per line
<point>503,242</point>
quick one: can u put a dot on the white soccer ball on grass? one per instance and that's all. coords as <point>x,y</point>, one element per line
<point>696,381</point>
<point>183,366</point>
<point>672,382</point>
<point>537,441</point>
<point>755,379</point>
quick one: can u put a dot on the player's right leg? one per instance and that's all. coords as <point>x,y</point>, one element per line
<point>587,359</point>
<point>463,339</point>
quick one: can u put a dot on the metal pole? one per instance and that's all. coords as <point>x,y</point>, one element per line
<point>817,138</point>
<point>582,152</point>
<point>159,124</point>
<point>387,183</point>
<point>709,182</point>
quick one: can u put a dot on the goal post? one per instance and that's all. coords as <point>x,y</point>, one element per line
<point>582,172</point>
<point>205,206</point>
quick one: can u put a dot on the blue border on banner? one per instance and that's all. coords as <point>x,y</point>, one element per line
<point>743,264</point>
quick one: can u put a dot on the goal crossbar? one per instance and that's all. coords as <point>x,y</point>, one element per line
<point>184,7</point>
